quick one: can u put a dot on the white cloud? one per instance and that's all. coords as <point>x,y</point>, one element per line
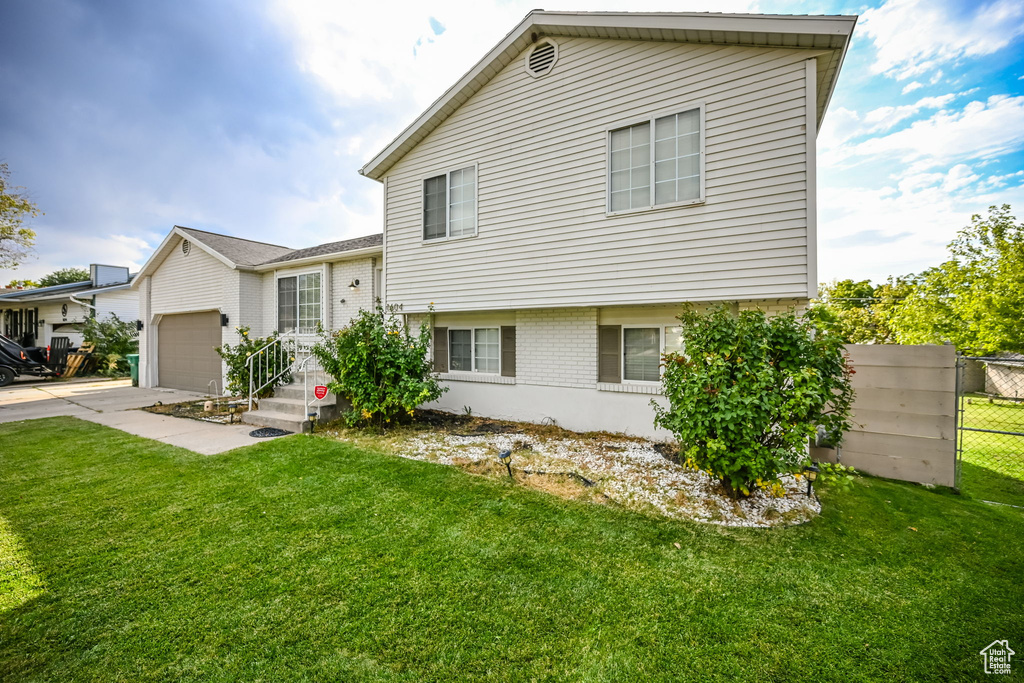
<point>873,233</point>
<point>884,118</point>
<point>383,51</point>
<point>978,131</point>
<point>842,125</point>
<point>913,37</point>
<point>911,87</point>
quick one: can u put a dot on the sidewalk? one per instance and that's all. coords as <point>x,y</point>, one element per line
<point>112,403</point>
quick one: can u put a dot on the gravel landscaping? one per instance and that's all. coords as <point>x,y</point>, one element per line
<point>632,473</point>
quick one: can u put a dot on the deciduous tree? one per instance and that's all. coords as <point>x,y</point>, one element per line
<point>63,276</point>
<point>976,299</point>
<point>15,239</point>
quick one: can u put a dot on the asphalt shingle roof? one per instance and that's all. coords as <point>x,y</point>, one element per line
<point>330,248</point>
<point>239,251</point>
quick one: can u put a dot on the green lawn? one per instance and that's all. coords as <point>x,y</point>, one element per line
<point>993,464</point>
<point>307,559</point>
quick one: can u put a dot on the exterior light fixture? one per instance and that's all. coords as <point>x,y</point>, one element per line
<point>312,421</point>
<point>505,457</point>
<point>232,409</point>
<point>811,472</point>
<point>223,319</point>
<point>354,285</point>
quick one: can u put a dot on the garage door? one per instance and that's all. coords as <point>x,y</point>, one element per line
<point>186,357</point>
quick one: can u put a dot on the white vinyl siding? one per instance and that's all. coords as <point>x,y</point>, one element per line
<point>449,204</point>
<point>542,185</point>
<point>194,282</point>
<point>474,350</point>
<point>124,303</point>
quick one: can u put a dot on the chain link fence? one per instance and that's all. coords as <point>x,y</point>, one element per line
<point>991,433</point>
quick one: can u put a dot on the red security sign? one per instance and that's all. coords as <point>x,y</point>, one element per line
<point>320,391</point>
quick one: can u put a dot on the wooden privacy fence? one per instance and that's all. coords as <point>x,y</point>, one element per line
<point>904,414</point>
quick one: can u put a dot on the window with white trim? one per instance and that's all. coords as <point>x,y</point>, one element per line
<point>656,162</point>
<point>474,350</point>
<point>298,303</point>
<point>449,204</point>
<point>641,354</point>
<point>633,353</point>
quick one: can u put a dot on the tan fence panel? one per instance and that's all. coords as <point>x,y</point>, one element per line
<point>904,414</point>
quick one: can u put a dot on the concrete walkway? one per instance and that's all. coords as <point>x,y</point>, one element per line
<point>111,403</point>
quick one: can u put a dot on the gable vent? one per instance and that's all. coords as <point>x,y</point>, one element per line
<point>541,58</point>
<point>186,247</point>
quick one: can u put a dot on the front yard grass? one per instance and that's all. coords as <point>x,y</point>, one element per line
<point>309,559</point>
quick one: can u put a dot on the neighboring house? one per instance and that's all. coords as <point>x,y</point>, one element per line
<point>38,315</point>
<point>199,287</point>
<point>589,176</point>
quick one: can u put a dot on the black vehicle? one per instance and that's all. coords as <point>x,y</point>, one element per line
<point>16,360</point>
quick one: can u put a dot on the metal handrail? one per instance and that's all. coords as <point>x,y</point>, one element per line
<point>318,374</point>
<point>259,363</point>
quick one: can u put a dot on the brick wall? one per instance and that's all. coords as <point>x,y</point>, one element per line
<point>342,274</point>
<point>557,347</point>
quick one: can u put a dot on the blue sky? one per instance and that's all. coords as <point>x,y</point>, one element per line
<point>251,117</point>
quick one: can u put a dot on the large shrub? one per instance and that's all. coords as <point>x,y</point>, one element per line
<point>273,361</point>
<point>114,339</point>
<point>379,366</point>
<point>748,390</point>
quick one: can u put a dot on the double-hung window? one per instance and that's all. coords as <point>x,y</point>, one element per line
<point>641,354</point>
<point>449,204</point>
<point>474,350</point>
<point>298,303</point>
<point>633,353</point>
<point>658,162</point>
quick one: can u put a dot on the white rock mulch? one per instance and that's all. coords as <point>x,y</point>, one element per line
<point>630,472</point>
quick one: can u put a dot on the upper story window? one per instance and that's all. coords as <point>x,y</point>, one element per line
<point>298,303</point>
<point>449,204</point>
<point>658,162</point>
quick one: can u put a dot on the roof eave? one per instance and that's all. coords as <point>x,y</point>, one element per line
<point>321,258</point>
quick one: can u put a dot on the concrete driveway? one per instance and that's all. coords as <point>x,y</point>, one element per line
<point>112,403</point>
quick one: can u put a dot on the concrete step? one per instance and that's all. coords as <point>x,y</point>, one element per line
<point>287,406</point>
<point>268,418</point>
<point>296,391</point>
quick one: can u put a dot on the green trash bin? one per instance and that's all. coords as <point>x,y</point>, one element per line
<point>133,363</point>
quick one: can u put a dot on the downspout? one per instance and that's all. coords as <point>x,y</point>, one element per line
<point>82,303</point>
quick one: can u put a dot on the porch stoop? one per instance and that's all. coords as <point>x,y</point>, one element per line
<point>287,409</point>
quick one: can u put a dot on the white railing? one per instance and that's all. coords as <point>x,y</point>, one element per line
<point>270,363</point>
<point>313,374</point>
<point>287,354</point>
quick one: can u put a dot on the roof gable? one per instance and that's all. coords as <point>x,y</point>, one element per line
<point>239,251</point>
<point>827,36</point>
<point>233,252</point>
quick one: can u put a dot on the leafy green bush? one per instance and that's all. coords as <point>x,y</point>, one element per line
<point>236,358</point>
<point>379,367</point>
<point>748,391</point>
<point>114,339</point>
